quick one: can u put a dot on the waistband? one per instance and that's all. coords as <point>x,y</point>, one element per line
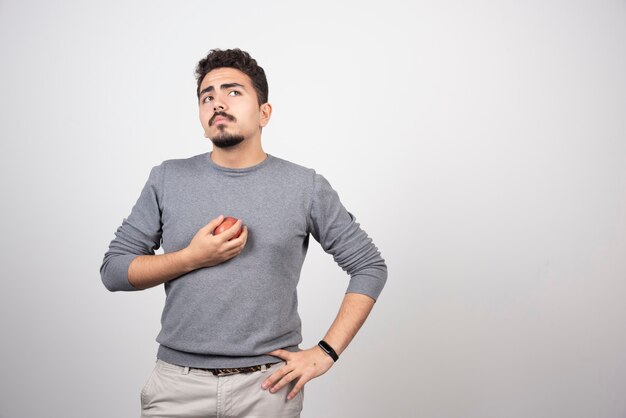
<point>215,372</point>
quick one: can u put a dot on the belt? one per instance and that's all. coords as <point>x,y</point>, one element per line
<point>237,370</point>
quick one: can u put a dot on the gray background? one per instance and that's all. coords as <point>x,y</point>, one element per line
<point>481,144</point>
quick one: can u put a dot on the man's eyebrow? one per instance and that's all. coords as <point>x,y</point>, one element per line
<point>222,87</point>
<point>231,85</point>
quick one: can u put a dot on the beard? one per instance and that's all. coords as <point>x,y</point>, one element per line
<point>225,140</point>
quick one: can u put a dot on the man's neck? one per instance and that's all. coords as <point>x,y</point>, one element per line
<point>240,156</point>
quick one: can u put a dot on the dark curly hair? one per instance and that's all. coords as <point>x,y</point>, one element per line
<point>238,59</point>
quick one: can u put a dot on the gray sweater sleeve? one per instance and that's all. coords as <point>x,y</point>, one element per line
<point>139,234</point>
<point>341,236</point>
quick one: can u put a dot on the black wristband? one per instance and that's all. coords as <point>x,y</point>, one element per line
<point>328,350</point>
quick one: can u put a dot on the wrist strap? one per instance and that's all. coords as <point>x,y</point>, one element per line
<point>328,350</point>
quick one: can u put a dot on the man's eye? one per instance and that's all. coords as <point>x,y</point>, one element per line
<point>234,93</point>
<point>207,99</point>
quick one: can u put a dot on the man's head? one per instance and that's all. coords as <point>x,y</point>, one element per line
<point>232,97</point>
<point>238,59</point>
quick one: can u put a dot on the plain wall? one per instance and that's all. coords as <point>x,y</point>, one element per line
<point>481,144</point>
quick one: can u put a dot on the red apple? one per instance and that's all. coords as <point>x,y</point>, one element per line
<point>227,223</point>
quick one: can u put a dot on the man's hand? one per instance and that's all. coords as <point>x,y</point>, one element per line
<point>309,364</point>
<point>302,365</point>
<point>207,250</point>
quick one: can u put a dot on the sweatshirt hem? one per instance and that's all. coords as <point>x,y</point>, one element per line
<point>207,361</point>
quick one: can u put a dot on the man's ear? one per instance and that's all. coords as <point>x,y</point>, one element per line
<point>265,113</point>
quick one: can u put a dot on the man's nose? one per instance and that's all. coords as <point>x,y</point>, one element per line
<point>218,107</point>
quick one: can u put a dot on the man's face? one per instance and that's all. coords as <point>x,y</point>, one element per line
<point>229,109</point>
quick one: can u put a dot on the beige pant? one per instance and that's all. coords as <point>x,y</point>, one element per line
<point>175,391</point>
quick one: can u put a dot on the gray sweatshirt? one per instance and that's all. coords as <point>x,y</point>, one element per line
<point>231,314</point>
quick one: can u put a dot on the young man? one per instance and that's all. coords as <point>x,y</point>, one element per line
<point>230,326</point>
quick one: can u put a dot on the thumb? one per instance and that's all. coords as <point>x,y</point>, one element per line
<point>281,354</point>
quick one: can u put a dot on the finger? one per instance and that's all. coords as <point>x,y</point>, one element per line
<point>275,377</point>
<point>232,253</point>
<point>297,388</point>
<point>244,234</point>
<point>213,223</point>
<point>238,242</point>
<point>234,246</point>
<point>283,382</point>
<point>232,231</point>
<point>283,355</point>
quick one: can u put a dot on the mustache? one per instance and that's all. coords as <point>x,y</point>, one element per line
<point>222,114</point>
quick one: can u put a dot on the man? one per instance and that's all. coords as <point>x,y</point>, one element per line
<point>230,327</point>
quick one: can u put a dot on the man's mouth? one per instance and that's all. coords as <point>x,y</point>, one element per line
<point>220,117</point>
